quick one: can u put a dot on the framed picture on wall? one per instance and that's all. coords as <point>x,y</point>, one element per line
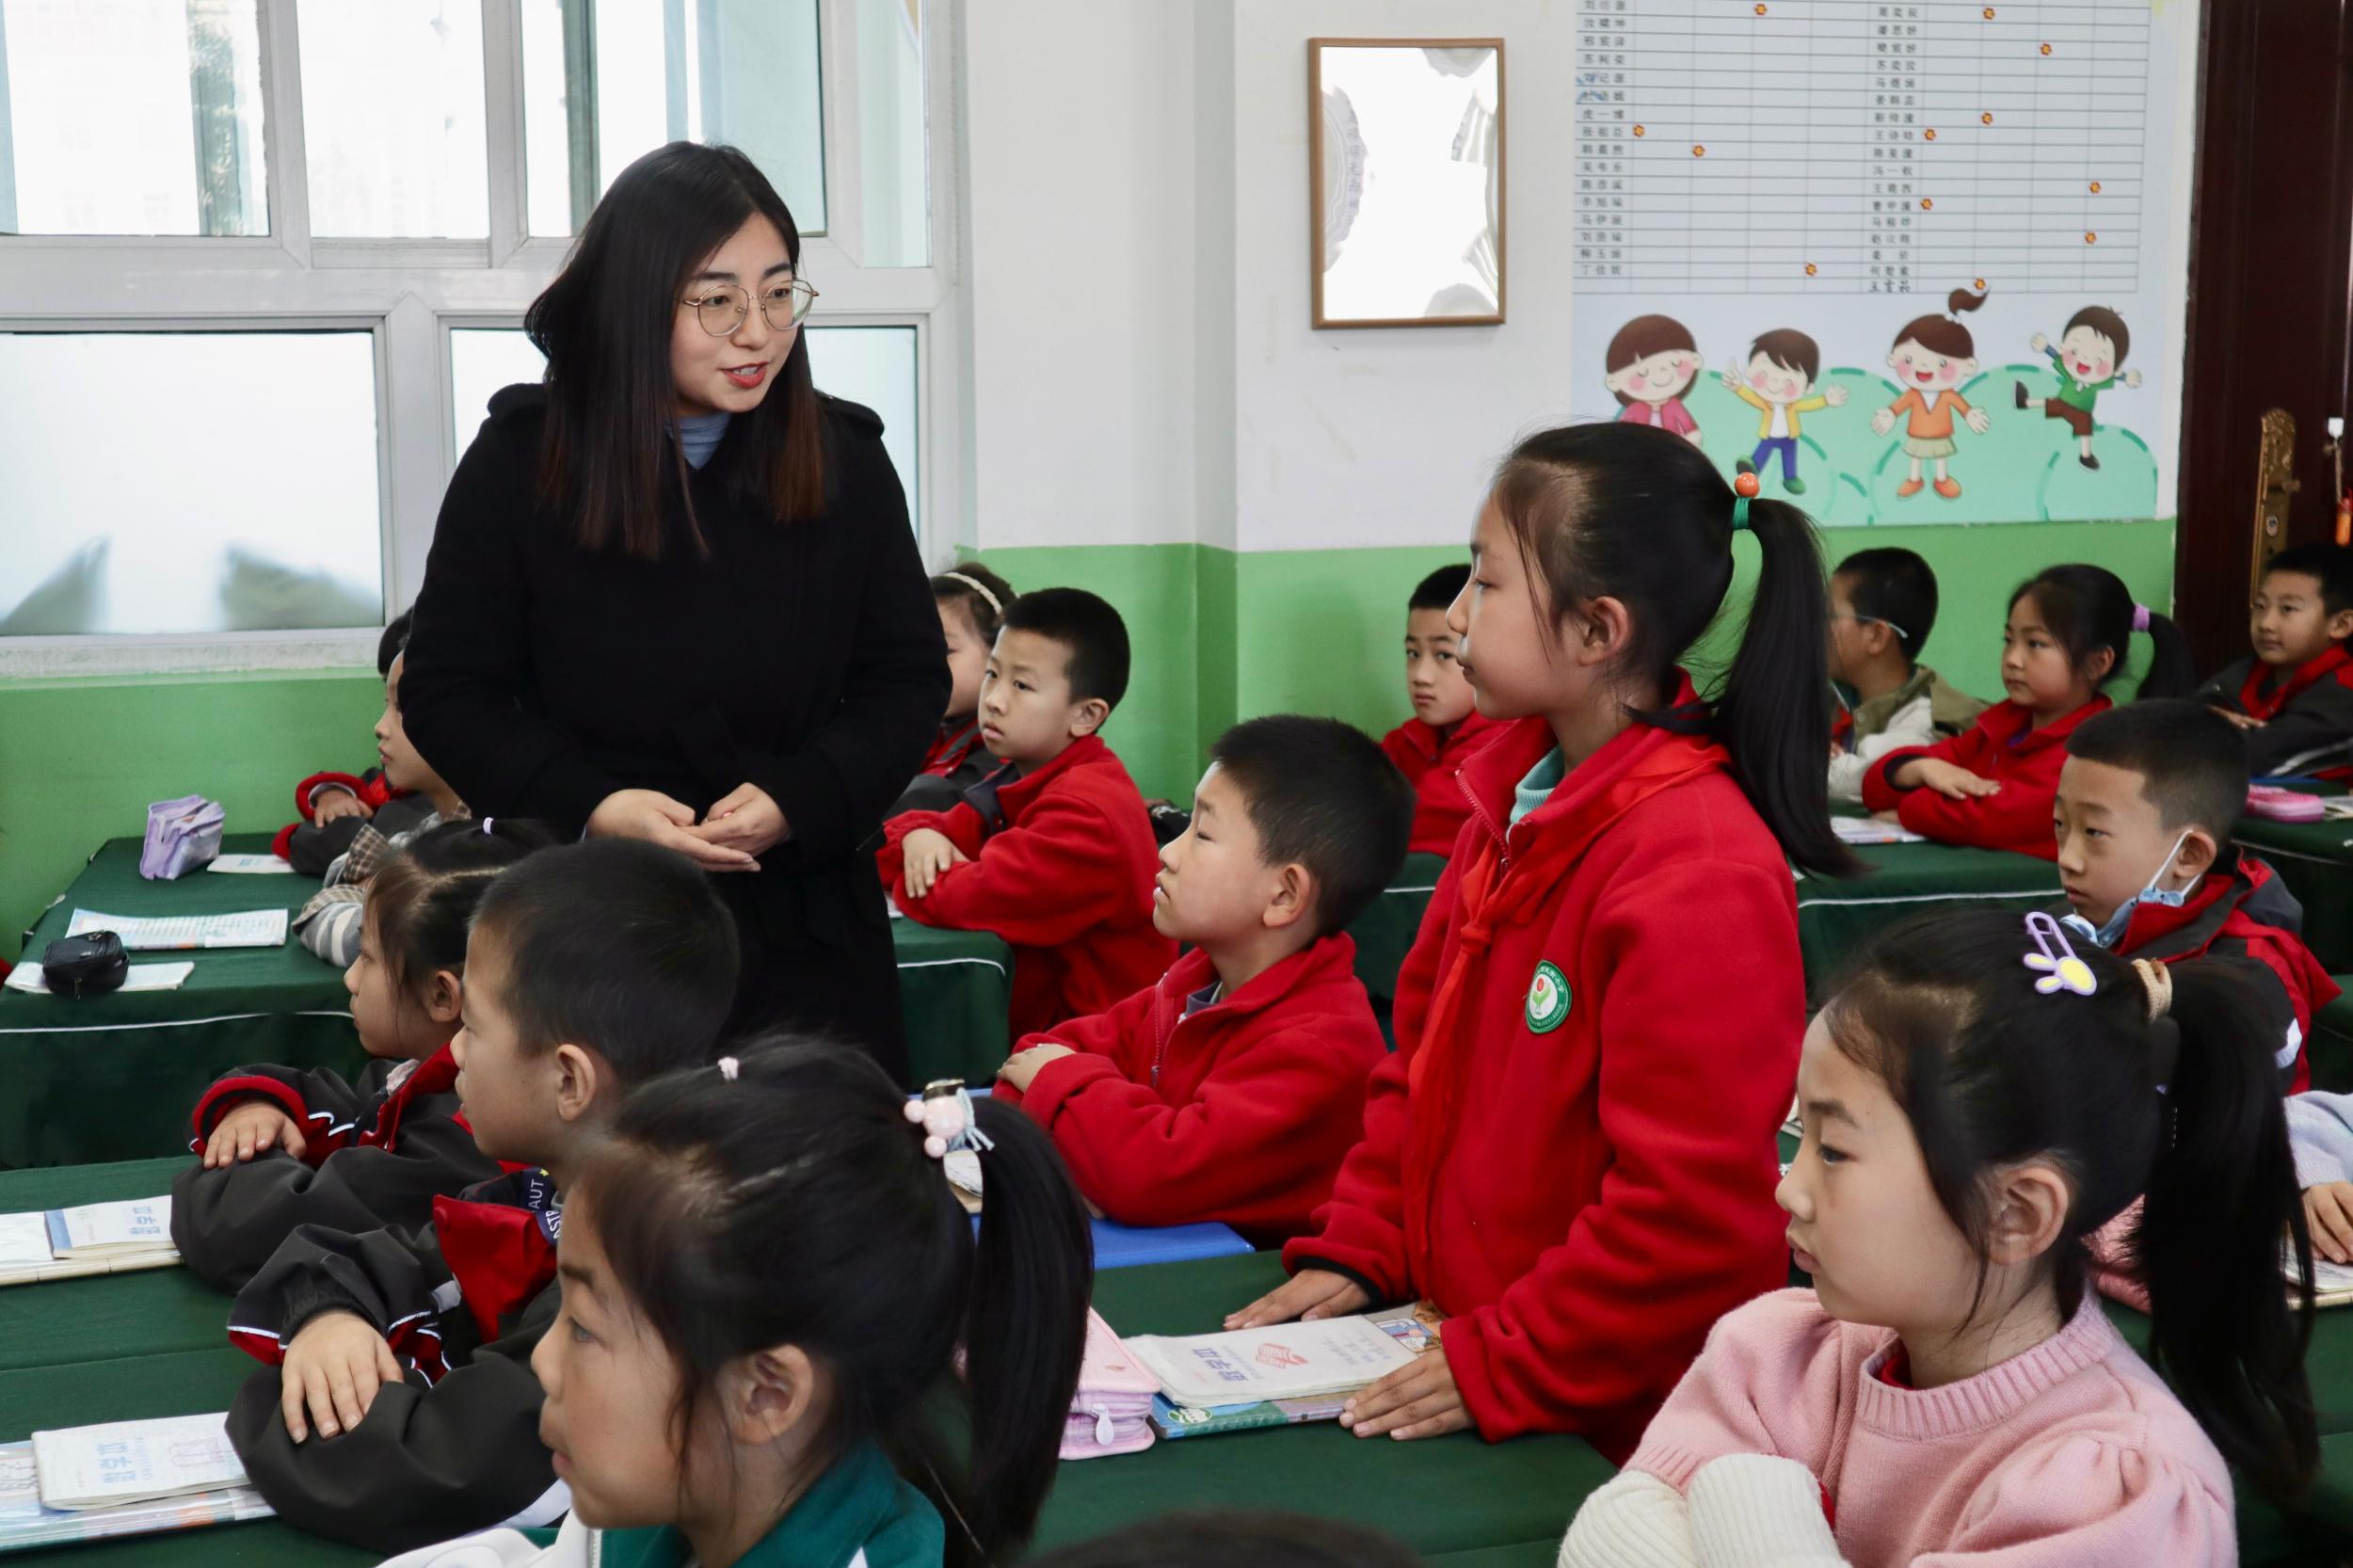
<point>1405,164</point>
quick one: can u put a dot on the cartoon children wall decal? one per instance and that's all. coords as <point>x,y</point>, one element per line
<point>1778,383</point>
<point>1650,363</point>
<point>1933,356</point>
<point>2086,357</point>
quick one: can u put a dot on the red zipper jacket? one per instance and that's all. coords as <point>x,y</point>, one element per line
<point>1241,1112</point>
<point>1065,876</point>
<point>1428,760</point>
<point>2243,911</point>
<point>1571,1151</point>
<point>2006,748</point>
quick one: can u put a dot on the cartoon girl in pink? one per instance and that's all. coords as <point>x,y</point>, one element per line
<point>1652,363</point>
<point>1933,356</point>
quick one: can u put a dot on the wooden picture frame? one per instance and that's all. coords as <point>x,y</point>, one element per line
<point>1459,277</point>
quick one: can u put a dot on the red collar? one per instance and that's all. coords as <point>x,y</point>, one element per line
<point>2190,930</point>
<point>2011,725</point>
<point>1432,743</point>
<point>1325,958</point>
<point>1015,794</point>
<point>2257,705</point>
<point>950,747</point>
<point>436,1075</point>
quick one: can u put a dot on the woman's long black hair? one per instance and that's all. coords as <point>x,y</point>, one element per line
<point>605,324</point>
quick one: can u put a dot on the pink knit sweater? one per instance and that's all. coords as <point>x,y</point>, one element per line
<point>2071,1453</point>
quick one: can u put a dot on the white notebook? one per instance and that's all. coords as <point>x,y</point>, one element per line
<point>89,1239</point>
<point>143,976</point>
<point>249,865</point>
<point>255,928</point>
<point>1290,1361</point>
<point>129,1462</point>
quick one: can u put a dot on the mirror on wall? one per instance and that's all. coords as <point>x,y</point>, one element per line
<point>1405,152</point>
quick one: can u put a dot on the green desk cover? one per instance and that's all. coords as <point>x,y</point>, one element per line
<point>114,1078</point>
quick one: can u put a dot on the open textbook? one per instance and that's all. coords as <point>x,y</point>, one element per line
<point>1317,1361</point>
<point>89,1239</point>
<point>125,1478</point>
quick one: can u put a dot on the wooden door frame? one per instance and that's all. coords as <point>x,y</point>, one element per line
<point>2252,191</point>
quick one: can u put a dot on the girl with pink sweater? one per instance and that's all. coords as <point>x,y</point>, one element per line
<point>1977,1100</point>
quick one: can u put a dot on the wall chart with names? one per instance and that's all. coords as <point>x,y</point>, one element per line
<point>1915,260</point>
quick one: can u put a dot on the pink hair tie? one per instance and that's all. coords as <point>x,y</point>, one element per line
<point>2141,618</point>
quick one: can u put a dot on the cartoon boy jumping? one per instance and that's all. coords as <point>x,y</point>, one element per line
<point>2087,358</point>
<point>1777,383</point>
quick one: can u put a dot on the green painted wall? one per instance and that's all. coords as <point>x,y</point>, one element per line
<point>80,760</point>
<point>1218,636</point>
<point>1318,630</point>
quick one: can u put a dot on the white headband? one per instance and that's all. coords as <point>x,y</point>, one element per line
<point>977,586</point>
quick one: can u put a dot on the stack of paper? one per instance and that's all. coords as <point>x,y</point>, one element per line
<point>93,1238</point>
<point>255,928</point>
<point>250,865</point>
<point>128,1478</point>
<point>1290,1361</point>
<point>2332,1283</point>
<point>1870,830</point>
<point>143,976</point>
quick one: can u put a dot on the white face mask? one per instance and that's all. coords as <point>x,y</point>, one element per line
<point>2169,898</point>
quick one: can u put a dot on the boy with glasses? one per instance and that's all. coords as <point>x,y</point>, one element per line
<point>1882,603</point>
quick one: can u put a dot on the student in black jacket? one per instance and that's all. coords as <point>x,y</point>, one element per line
<point>666,601</point>
<point>396,1405</point>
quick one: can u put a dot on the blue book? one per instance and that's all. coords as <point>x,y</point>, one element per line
<point>1118,1246</point>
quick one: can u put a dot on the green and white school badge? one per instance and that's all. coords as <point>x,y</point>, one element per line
<point>1548,999</point>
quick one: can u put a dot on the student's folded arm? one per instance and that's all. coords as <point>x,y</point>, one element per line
<point>1361,1231</point>
<point>1684,1228</point>
<point>2014,818</point>
<point>1880,790</point>
<point>1049,880</point>
<point>467,673</point>
<point>2319,718</point>
<point>387,1277</point>
<point>846,775</point>
<point>1144,1161</point>
<point>2071,1498</point>
<point>425,1464</point>
<point>960,826</point>
<point>1913,726</point>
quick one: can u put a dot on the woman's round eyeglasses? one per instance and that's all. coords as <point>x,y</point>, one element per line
<point>722,306</point>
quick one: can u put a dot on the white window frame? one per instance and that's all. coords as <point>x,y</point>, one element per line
<point>410,294</point>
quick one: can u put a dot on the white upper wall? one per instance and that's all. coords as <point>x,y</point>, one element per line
<point>1080,158</point>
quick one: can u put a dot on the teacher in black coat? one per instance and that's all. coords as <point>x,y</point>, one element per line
<point>673,594</point>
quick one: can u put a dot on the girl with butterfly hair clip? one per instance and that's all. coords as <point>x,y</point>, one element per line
<point>766,1281</point>
<point>1977,1100</point>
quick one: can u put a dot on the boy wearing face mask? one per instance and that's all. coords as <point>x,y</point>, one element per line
<point>2146,800</point>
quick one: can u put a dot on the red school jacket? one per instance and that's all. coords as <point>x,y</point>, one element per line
<point>1571,1151</point>
<point>2004,747</point>
<point>2243,911</point>
<point>1428,759</point>
<point>1066,877</point>
<point>1241,1112</point>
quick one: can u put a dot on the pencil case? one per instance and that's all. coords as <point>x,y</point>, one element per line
<point>2274,804</point>
<point>90,964</point>
<point>183,835</point>
<point>1111,1412</point>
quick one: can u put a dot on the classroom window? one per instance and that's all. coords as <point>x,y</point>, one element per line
<point>873,365</point>
<point>178,147</point>
<point>254,507</point>
<point>607,80</point>
<point>393,120</point>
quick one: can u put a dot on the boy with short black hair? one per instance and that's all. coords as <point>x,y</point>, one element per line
<point>1233,1088</point>
<point>1446,727</point>
<point>1882,604</point>
<point>399,1406</point>
<point>1053,851</point>
<point>332,807</point>
<point>2146,800</point>
<point>2294,694</point>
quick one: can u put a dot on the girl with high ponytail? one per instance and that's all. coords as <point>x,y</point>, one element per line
<point>1570,1149</point>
